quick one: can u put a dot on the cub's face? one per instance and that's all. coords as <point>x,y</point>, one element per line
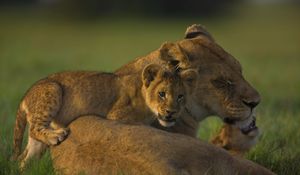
<point>166,97</point>
<point>166,92</point>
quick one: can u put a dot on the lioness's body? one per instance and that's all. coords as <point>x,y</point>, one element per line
<point>113,148</point>
<point>53,102</point>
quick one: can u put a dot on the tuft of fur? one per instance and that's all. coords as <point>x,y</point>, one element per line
<point>19,130</point>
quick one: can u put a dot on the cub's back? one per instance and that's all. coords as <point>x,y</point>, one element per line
<point>81,92</point>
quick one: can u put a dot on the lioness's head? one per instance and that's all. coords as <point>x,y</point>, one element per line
<point>166,91</point>
<point>221,89</point>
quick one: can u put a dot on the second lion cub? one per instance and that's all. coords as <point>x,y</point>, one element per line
<point>55,101</point>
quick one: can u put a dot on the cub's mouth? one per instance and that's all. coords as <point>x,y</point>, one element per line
<point>167,121</point>
<point>245,126</point>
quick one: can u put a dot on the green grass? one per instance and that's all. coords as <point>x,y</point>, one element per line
<point>266,40</point>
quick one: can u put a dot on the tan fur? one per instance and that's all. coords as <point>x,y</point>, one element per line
<point>231,138</point>
<point>110,147</point>
<point>221,89</point>
<point>53,102</point>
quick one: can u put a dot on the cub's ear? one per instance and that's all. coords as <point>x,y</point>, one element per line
<point>197,30</point>
<point>149,74</point>
<point>174,55</point>
<point>190,78</point>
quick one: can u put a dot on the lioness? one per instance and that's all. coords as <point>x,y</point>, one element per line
<point>221,90</point>
<point>53,102</point>
<point>110,147</point>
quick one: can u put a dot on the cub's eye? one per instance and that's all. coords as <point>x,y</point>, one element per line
<point>162,94</point>
<point>180,97</point>
<point>174,62</point>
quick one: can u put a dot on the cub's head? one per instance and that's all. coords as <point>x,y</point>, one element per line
<point>165,91</point>
<point>221,87</point>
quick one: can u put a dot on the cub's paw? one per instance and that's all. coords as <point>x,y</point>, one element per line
<point>56,136</point>
<point>235,140</point>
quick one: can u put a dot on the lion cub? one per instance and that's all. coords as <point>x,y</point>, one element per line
<point>55,101</point>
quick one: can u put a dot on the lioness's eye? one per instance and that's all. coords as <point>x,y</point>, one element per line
<point>180,97</point>
<point>162,94</point>
<point>222,83</point>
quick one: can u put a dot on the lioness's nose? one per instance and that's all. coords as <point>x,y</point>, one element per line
<point>251,97</point>
<point>253,101</point>
<point>251,104</point>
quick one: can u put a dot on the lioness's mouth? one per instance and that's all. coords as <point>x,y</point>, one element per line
<point>252,126</point>
<point>246,126</point>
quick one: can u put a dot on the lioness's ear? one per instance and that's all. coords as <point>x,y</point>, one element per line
<point>189,78</point>
<point>197,30</point>
<point>174,55</point>
<point>149,73</point>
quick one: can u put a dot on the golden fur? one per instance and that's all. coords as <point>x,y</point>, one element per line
<point>221,89</point>
<point>232,139</point>
<point>53,102</point>
<point>110,147</point>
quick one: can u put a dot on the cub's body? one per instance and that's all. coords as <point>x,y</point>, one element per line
<point>80,93</point>
<point>53,102</point>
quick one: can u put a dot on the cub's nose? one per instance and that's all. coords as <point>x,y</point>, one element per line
<point>170,113</point>
<point>168,117</point>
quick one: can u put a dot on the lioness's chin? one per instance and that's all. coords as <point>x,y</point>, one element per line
<point>247,126</point>
<point>243,124</point>
<point>166,123</point>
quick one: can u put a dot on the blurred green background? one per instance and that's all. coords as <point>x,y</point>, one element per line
<point>41,37</point>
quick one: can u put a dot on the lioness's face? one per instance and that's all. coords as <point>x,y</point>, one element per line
<point>221,89</point>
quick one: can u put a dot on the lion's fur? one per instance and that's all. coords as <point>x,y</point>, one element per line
<point>53,102</point>
<point>220,90</point>
<point>140,149</point>
<point>108,147</point>
<point>232,139</point>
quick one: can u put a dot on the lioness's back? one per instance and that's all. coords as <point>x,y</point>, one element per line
<point>111,147</point>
